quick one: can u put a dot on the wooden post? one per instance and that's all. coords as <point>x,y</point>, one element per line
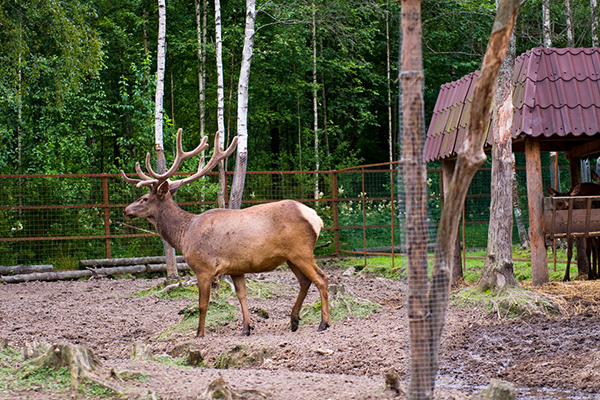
<point>447,171</point>
<point>535,198</point>
<point>583,266</point>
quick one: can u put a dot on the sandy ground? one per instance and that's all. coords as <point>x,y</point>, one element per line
<point>544,357</point>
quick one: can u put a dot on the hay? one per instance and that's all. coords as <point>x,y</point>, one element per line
<point>574,298</point>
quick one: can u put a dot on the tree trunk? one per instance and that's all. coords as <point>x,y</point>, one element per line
<point>220,103</point>
<point>158,119</point>
<point>315,99</point>
<point>427,315</point>
<point>498,268</point>
<point>414,173</point>
<point>547,27</point>
<point>239,177</point>
<point>457,270</point>
<point>523,237</point>
<point>201,24</point>
<point>569,19</point>
<point>594,12</point>
<point>389,85</point>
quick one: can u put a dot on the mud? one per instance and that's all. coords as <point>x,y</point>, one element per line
<point>544,357</point>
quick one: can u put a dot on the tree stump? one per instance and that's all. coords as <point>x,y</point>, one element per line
<point>80,360</point>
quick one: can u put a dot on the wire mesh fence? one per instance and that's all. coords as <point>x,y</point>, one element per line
<point>61,219</point>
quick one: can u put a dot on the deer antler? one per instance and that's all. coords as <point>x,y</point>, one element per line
<point>217,156</point>
<point>154,178</point>
<point>179,158</point>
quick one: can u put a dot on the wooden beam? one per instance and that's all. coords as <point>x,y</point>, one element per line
<point>585,149</point>
<point>535,198</point>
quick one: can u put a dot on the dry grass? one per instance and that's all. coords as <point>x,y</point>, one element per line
<point>576,297</point>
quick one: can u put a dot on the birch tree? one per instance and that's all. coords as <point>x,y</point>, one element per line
<point>220,102</point>
<point>239,178</point>
<point>315,98</point>
<point>201,24</point>
<point>569,22</point>
<point>594,12</point>
<point>158,119</point>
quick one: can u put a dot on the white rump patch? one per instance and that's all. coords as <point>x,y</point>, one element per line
<point>311,216</point>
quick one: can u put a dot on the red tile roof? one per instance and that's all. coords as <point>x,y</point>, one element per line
<point>556,94</point>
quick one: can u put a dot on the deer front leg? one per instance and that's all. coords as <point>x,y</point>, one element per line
<point>239,281</point>
<point>204,297</point>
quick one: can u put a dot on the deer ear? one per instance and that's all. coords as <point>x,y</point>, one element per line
<point>163,188</point>
<point>551,191</point>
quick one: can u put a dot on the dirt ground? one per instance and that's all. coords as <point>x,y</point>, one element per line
<point>544,357</point>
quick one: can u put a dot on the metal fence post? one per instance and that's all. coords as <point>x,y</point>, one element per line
<point>106,215</point>
<point>336,225</point>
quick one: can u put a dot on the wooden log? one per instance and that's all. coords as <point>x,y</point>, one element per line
<point>132,269</point>
<point>46,276</point>
<point>25,269</point>
<point>73,274</point>
<point>114,262</point>
<point>152,268</point>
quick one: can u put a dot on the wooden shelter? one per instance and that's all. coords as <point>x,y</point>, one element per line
<point>556,98</point>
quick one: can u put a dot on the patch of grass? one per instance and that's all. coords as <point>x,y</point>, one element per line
<point>219,312</point>
<point>184,292</point>
<point>168,360</point>
<point>512,302</point>
<point>341,307</point>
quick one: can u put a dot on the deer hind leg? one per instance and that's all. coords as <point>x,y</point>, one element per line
<point>239,282</point>
<point>304,285</point>
<point>203,299</point>
<point>569,256</point>
<point>318,277</point>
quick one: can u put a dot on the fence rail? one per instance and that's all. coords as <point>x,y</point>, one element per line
<point>60,219</point>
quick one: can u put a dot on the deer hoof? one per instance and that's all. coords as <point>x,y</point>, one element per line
<point>295,322</point>
<point>322,326</point>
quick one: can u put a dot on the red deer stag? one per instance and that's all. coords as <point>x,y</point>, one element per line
<point>592,244</point>
<point>232,242</point>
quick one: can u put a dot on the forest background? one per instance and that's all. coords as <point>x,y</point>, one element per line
<point>77,77</point>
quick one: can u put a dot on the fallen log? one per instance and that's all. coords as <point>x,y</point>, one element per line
<point>114,262</point>
<point>46,276</point>
<point>25,269</point>
<point>151,268</point>
<point>73,274</point>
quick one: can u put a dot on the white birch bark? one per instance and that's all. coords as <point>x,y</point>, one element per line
<point>315,102</point>
<point>237,186</point>
<point>158,118</point>
<point>569,17</point>
<point>201,38</point>
<point>594,12</point>
<point>547,28</point>
<point>389,89</point>
<point>160,78</point>
<point>220,101</point>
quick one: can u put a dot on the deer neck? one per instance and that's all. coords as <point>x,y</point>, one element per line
<point>172,223</point>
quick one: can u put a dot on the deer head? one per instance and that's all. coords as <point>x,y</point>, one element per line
<point>160,185</point>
